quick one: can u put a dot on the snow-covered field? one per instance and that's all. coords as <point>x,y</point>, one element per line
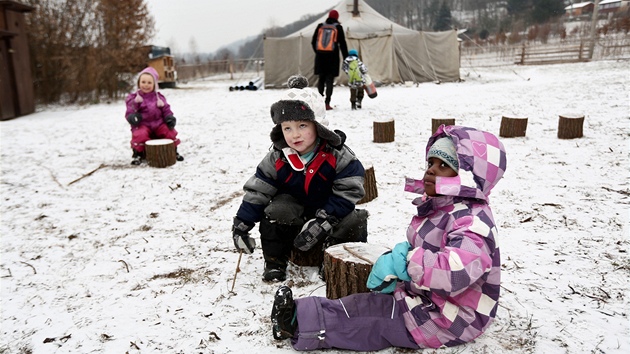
<point>140,260</point>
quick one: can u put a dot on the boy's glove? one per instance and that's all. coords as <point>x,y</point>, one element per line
<point>240,234</point>
<point>389,267</point>
<point>134,119</point>
<point>170,122</point>
<point>314,231</point>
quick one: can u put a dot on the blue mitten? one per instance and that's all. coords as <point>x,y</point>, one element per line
<point>389,267</point>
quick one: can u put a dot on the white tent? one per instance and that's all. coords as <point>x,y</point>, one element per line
<point>392,53</point>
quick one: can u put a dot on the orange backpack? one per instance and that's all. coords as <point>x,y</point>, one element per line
<point>326,38</point>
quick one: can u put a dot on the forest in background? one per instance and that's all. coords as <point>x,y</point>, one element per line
<point>82,51</point>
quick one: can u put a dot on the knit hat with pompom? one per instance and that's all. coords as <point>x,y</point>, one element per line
<point>300,102</point>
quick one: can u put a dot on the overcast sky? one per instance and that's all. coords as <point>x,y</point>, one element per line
<point>215,23</point>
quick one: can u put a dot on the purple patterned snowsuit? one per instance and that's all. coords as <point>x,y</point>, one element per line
<point>454,266</point>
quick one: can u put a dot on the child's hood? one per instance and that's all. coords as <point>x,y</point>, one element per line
<point>482,163</point>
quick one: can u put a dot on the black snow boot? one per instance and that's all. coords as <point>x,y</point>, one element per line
<point>274,273</point>
<point>283,314</point>
<point>137,157</point>
<point>178,156</point>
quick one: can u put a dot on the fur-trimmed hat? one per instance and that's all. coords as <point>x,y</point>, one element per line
<point>300,102</point>
<point>149,70</point>
<point>444,149</point>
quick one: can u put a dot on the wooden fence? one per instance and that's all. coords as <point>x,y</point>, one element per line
<point>234,68</point>
<point>553,52</point>
<point>557,54</point>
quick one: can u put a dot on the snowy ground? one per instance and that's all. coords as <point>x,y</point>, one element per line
<point>140,260</point>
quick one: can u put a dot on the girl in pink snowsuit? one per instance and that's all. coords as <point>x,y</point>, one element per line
<point>440,287</point>
<point>149,115</point>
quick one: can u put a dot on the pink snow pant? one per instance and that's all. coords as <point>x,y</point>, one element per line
<point>362,322</point>
<point>142,133</point>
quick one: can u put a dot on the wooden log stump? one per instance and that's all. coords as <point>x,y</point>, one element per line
<point>512,127</point>
<point>311,258</point>
<point>570,126</point>
<point>384,131</point>
<point>436,122</point>
<point>160,152</point>
<point>369,184</point>
<point>347,267</point>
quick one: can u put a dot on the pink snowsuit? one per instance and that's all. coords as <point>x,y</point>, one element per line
<point>454,266</point>
<point>153,108</point>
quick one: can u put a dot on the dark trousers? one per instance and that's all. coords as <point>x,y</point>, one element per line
<point>362,322</point>
<point>356,94</point>
<point>283,221</point>
<point>326,81</point>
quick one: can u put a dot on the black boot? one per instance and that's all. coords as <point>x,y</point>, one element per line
<point>354,106</point>
<point>178,156</point>
<point>283,314</point>
<point>137,157</point>
<point>275,269</point>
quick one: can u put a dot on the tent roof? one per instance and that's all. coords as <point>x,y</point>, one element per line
<point>368,23</point>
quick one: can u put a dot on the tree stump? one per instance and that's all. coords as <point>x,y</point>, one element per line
<point>311,258</point>
<point>160,152</point>
<point>570,126</point>
<point>384,131</point>
<point>369,184</point>
<point>436,122</point>
<point>347,267</point>
<point>512,127</point>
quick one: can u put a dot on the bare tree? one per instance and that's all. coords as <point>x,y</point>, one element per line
<point>82,48</point>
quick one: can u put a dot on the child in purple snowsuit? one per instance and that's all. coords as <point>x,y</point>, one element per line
<point>149,115</point>
<point>445,278</point>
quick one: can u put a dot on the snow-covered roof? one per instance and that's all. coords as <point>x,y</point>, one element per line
<point>605,2</point>
<point>578,5</point>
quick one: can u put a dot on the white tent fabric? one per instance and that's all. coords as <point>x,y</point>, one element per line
<point>392,53</point>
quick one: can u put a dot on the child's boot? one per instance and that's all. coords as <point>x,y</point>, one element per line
<point>354,106</point>
<point>178,156</point>
<point>137,157</point>
<point>283,314</point>
<point>275,270</point>
<point>359,104</point>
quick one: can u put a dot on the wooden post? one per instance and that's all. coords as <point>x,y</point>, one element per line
<point>160,152</point>
<point>384,131</point>
<point>512,127</point>
<point>570,126</point>
<point>369,184</point>
<point>436,122</point>
<point>522,61</point>
<point>347,267</point>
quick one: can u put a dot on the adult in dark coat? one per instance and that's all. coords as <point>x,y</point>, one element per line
<point>327,63</point>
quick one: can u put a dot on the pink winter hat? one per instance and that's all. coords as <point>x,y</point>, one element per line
<point>156,76</point>
<point>153,72</point>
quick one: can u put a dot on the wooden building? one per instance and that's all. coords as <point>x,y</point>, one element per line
<point>579,9</point>
<point>613,6</point>
<point>17,96</point>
